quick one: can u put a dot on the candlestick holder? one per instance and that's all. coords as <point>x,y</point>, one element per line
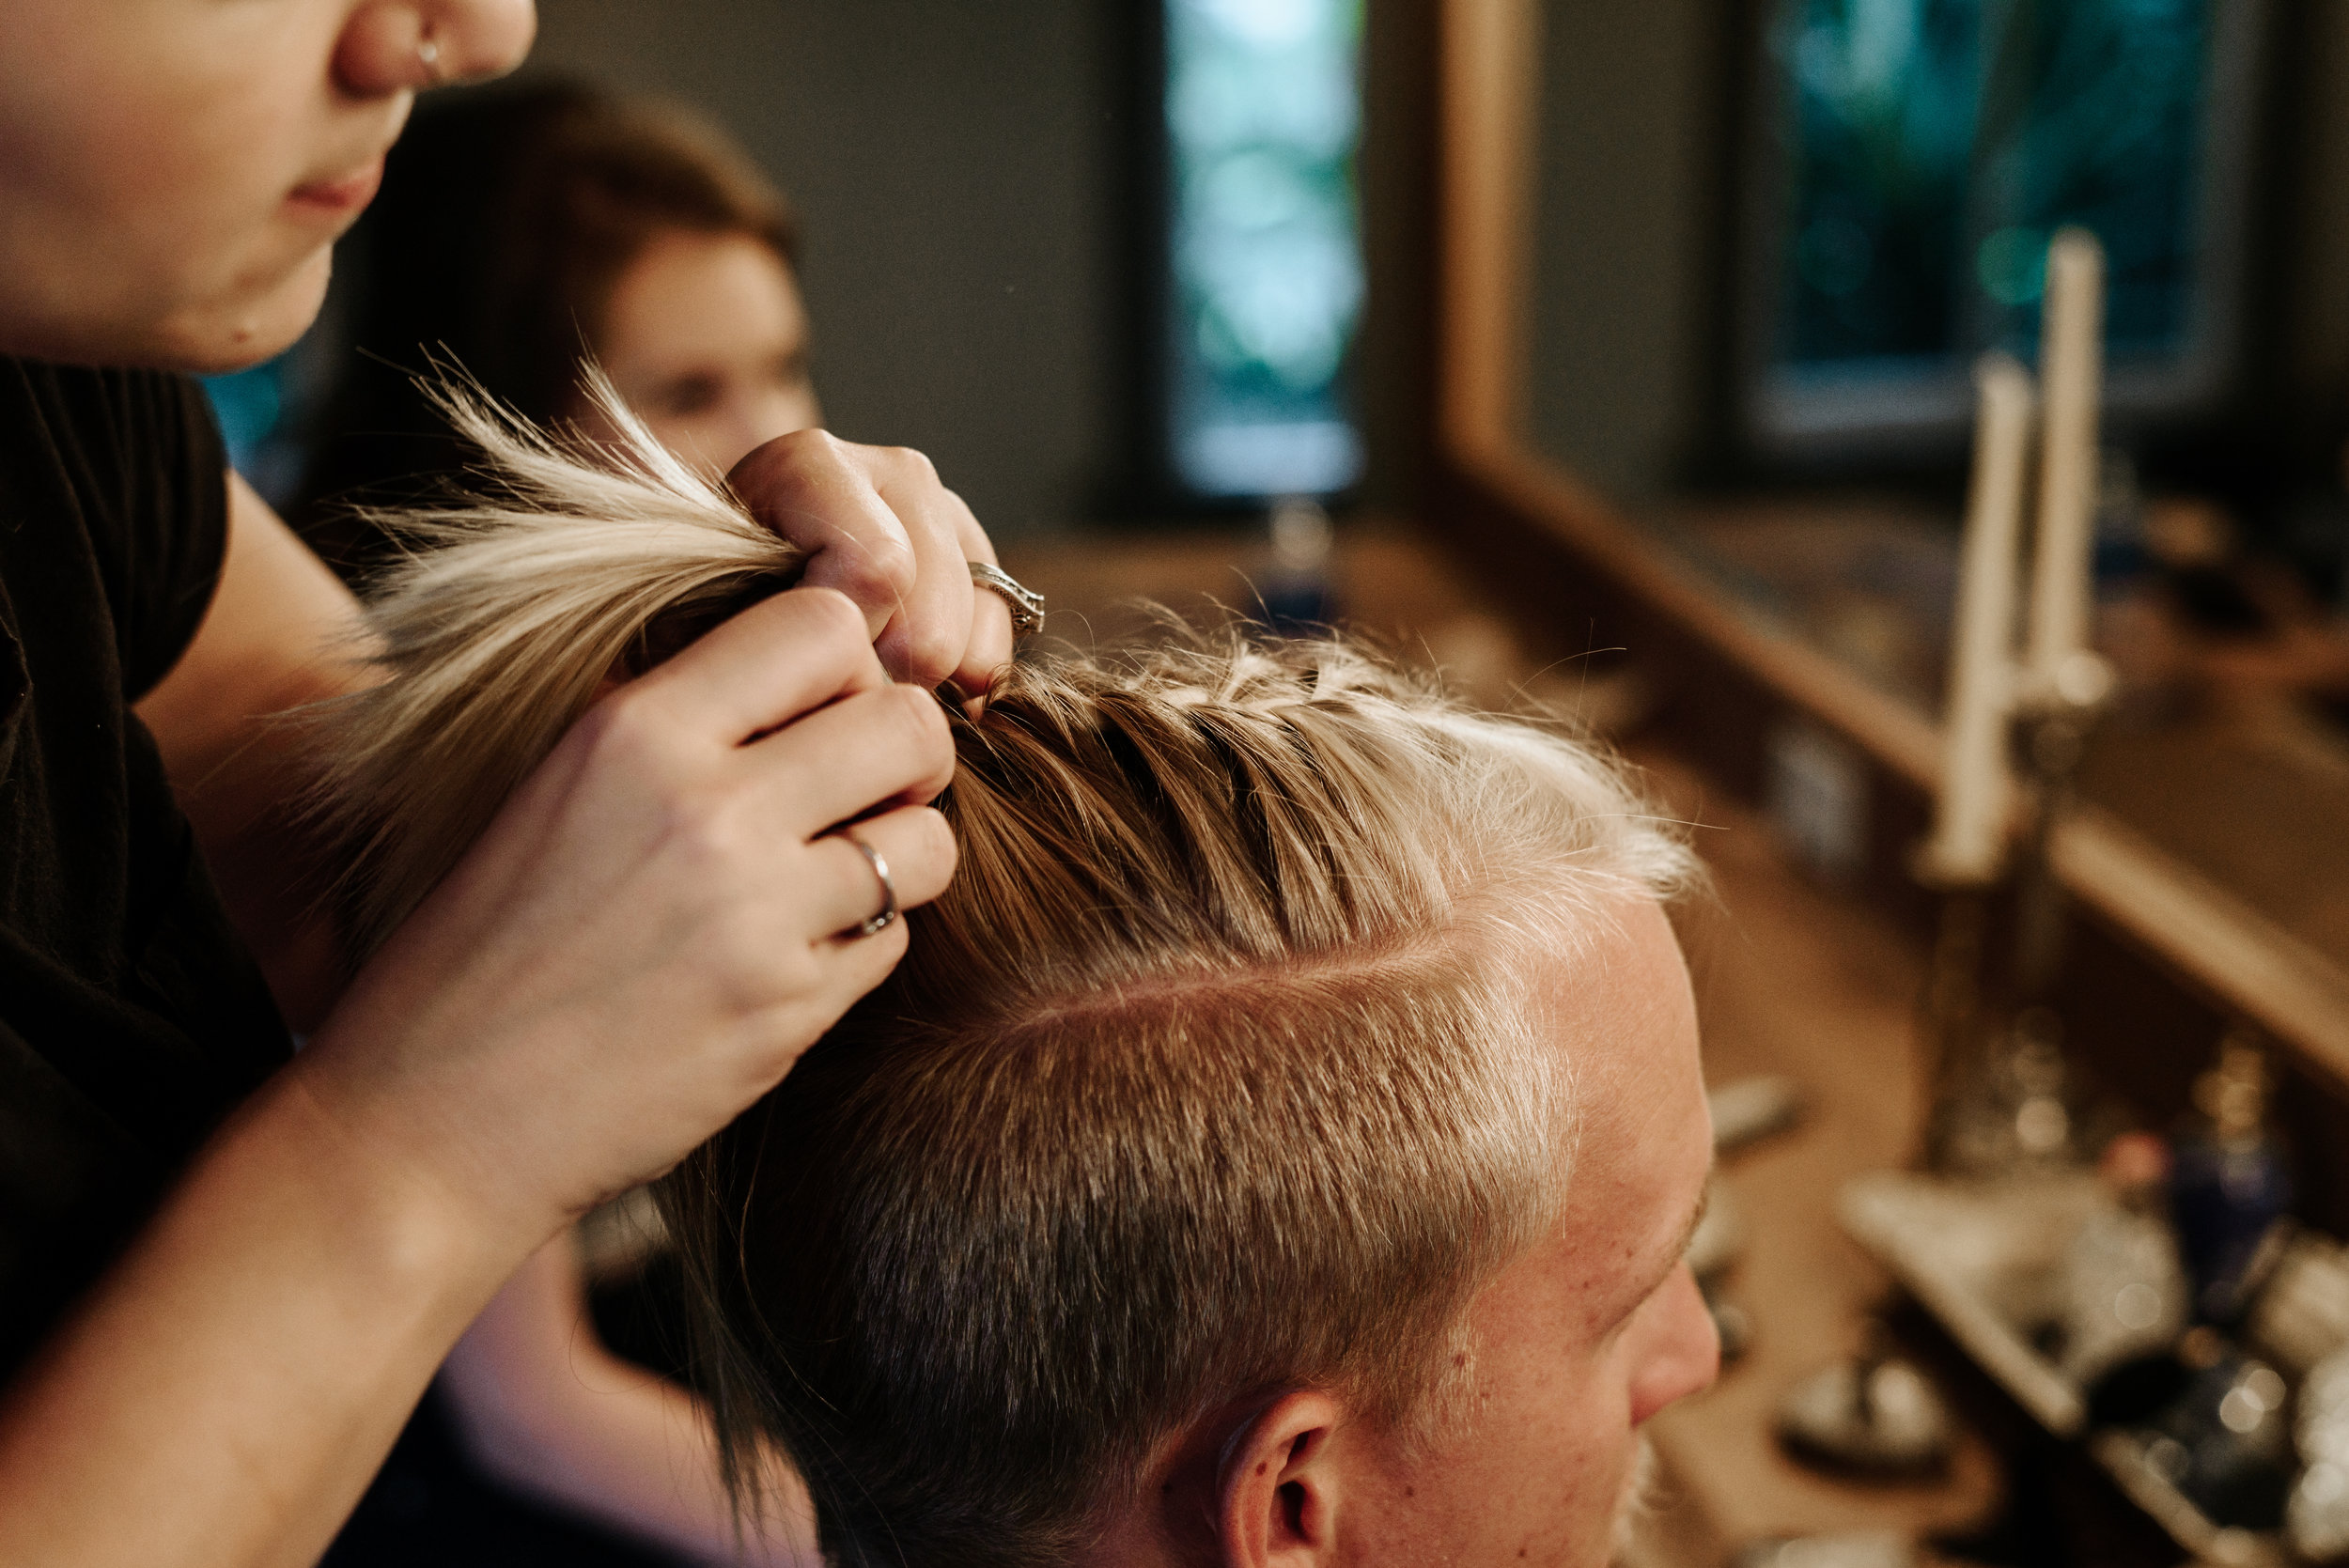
<point>1948,1023</point>
<point>2058,718</point>
<point>2001,1087</point>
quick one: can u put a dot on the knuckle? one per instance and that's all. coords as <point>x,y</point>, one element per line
<point>708,829</point>
<point>933,655</point>
<point>833,615</point>
<point>921,720</point>
<point>742,946</point>
<point>801,443</point>
<point>782,467</point>
<point>630,727</point>
<point>913,463</point>
<point>864,559</point>
<point>883,567</point>
<point>817,452</point>
<point>934,845</point>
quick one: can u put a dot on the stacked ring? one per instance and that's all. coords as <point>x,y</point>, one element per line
<point>1027,605</point>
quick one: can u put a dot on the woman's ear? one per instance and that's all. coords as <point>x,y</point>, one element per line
<point>1277,1490</point>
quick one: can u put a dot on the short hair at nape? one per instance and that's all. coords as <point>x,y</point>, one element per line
<point>1213,1074</point>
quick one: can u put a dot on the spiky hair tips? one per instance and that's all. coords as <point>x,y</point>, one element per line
<point>557,566</point>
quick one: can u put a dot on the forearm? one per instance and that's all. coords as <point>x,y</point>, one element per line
<point>273,881</point>
<point>545,1407</point>
<point>228,1389</point>
<point>281,634</point>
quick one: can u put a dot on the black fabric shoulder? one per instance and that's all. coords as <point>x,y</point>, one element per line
<point>131,1017</point>
<point>152,460</point>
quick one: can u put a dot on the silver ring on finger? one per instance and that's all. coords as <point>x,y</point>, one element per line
<point>1027,605</point>
<point>886,916</point>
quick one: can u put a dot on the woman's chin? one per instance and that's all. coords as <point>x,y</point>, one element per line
<point>216,338</point>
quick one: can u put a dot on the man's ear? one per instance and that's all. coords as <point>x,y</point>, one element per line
<point>1277,1490</point>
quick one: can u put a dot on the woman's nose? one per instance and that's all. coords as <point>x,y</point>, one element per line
<point>390,46</point>
<point>1681,1352</point>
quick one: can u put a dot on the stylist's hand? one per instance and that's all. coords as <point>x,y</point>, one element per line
<point>879,527</point>
<point>651,931</point>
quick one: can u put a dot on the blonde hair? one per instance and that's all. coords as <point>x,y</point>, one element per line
<point>1214,1073</point>
<point>500,621</point>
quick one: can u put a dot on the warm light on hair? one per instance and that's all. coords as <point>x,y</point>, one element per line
<point>1216,1072</point>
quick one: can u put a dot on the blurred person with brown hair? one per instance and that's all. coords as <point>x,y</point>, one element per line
<point>525,231</point>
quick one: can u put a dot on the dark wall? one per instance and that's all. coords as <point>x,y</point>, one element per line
<point>2315,201</point>
<point>1624,170</point>
<point>953,165</point>
<point>1395,359</point>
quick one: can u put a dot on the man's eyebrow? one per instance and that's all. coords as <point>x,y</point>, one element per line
<point>1688,1237</point>
<point>1696,1219</point>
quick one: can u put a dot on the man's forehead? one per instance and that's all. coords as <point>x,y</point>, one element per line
<point>1643,1141</point>
<point>1618,1007</point>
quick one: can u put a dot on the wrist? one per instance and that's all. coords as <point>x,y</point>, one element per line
<point>404,1097</point>
<point>388,1203</point>
<point>276,1319</point>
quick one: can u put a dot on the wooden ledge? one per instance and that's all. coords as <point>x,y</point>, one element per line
<point>2237,959</point>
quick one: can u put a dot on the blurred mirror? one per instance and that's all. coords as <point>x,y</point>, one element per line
<point>1767,241</point>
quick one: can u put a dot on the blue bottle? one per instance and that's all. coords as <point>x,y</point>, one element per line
<point>2228,1183</point>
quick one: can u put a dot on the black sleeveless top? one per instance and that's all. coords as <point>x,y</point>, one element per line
<point>131,1017</point>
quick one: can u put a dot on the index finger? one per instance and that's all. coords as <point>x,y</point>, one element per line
<point>782,658</point>
<point>814,490</point>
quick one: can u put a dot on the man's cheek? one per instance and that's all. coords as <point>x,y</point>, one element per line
<point>1641,1494</point>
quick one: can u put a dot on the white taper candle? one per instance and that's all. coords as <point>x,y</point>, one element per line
<point>1969,826</point>
<point>2071,363</point>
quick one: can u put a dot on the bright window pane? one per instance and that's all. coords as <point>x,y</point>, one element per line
<point>1263,113</point>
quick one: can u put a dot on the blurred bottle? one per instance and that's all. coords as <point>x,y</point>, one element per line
<point>1295,595</point>
<point>2229,1186</point>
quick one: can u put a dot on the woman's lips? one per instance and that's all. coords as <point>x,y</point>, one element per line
<point>340,196</point>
